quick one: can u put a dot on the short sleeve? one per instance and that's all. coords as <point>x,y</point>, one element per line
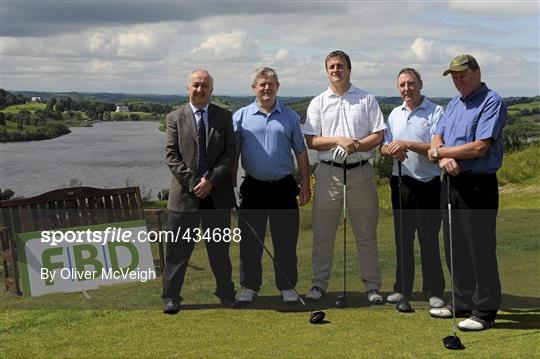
<point>491,120</point>
<point>312,126</point>
<point>375,116</point>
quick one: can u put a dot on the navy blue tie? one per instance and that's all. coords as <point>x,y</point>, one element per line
<point>203,157</point>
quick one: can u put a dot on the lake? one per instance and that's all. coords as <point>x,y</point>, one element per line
<point>107,155</point>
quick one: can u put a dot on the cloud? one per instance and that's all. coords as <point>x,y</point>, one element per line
<point>50,17</point>
<point>422,49</point>
<point>141,43</point>
<point>230,46</point>
<point>498,8</point>
<point>281,55</point>
<point>151,46</point>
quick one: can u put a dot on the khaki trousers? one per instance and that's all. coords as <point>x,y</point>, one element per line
<point>362,213</point>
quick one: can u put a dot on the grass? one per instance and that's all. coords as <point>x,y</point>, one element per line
<point>521,106</point>
<point>126,321</point>
<point>30,106</point>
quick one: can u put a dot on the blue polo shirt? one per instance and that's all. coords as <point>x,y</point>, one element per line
<point>479,116</point>
<point>418,126</point>
<point>266,140</point>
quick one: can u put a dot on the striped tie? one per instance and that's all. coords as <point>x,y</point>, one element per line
<point>203,157</point>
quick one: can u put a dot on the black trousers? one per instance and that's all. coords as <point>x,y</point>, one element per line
<point>178,253</point>
<point>274,202</point>
<point>420,214</point>
<point>475,203</point>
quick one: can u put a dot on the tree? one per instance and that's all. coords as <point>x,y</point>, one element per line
<point>51,103</point>
<point>7,194</point>
<point>2,119</point>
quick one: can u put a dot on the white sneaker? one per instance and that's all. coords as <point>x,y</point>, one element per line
<point>289,296</point>
<point>443,312</point>
<point>315,294</point>
<point>474,324</point>
<point>247,295</point>
<point>374,297</point>
<point>436,302</point>
<point>394,297</point>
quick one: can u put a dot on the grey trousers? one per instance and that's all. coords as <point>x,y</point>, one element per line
<point>362,213</point>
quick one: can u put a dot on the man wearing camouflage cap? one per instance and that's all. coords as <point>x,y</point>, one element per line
<point>468,144</point>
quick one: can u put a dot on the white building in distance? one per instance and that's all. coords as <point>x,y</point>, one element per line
<point>122,107</point>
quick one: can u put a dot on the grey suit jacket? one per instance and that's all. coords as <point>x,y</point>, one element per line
<point>181,157</point>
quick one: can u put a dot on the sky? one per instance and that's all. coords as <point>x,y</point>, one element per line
<point>152,46</point>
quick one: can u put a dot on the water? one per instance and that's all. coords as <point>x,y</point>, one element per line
<point>107,155</point>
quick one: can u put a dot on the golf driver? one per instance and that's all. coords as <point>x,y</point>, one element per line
<point>341,301</point>
<point>403,304</point>
<point>452,341</point>
<point>315,317</point>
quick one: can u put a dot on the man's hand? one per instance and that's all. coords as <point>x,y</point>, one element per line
<point>449,166</point>
<point>347,144</point>
<point>203,188</point>
<point>398,149</point>
<point>305,193</point>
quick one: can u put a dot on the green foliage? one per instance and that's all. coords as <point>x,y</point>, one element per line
<point>6,194</point>
<point>520,167</point>
<point>8,99</point>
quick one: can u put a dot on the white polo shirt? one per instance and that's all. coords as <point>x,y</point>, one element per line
<point>418,126</point>
<point>354,115</point>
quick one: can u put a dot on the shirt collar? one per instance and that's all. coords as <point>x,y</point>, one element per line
<point>195,109</point>
<point>423,105</point>
<point>475,94</point>
<point>330,93</point>
<point>256,109</point>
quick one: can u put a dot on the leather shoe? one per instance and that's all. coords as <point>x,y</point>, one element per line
<point>171,306</point>
<point>230,303</point>
<point>473,324</point>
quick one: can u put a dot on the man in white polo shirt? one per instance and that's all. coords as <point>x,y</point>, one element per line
<point>349,119</point>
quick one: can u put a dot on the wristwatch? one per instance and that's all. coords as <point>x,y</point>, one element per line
<point>435,152</point>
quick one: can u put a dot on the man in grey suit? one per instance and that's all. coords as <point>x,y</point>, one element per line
<point>200,149</point>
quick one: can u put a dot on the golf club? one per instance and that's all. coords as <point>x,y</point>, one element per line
<point>315,317</point>
<point>452,341</point>
<point>403,304</point>
<point>341,301</point>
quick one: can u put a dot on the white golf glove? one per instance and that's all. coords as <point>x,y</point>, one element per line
<point>340,154</point>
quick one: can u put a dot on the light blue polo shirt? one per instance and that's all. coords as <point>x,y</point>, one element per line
<point>419,126</point>
<point>266,140</point>
<point>479,116</point>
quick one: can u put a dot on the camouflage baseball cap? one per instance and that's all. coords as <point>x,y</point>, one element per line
<point>460,63</point>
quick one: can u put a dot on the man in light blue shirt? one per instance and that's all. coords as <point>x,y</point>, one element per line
<point>266,135</point>
<point>407,139</point>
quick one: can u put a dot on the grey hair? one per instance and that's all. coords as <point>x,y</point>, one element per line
<point>197,70</point>
<point>410,70</point>
<point>266,72</point>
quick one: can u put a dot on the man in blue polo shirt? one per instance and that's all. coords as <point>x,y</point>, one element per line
<point>407,139</point>
<point>266,132</point>
<point>468,144</point>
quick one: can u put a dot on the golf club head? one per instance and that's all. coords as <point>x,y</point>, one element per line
<point>452,342</point>
<point>340,302</point>
<point>317,317</point>
<point>404,306</point>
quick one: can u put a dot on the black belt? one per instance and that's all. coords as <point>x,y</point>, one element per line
<point>279,181</point>
<point>348,166</point>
